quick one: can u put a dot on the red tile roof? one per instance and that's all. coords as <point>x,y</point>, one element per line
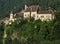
<point>32,8</point>
<point>44,12</point>
<point>19,15</point>
<point>35,8</point>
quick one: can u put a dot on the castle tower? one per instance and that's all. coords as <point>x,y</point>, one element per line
<point>11,15</point>
<point>11,18</point>
<point>26,7</point>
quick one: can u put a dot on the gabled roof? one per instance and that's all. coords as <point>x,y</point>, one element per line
<point>44,12</point>
<point>32,8</point>
<point>18,15</point>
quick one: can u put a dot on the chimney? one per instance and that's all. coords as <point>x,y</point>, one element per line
<point>26,7</point>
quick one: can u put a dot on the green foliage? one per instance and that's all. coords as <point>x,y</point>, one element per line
<point>57,15</point>
<point>24,31</point>
<point>2,27</point>
<point>33,32</point>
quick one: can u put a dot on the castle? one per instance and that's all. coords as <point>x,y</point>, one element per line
<point>33,12</point>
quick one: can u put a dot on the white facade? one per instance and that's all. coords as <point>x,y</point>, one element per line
<point>46,15</point>
<point>38,16</point>
<point>33,14</point>
<point>32,11</point>
<point>26,14</point>
<point>11,15</point>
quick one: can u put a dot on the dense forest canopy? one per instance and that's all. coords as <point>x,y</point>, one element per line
<point>24,31</point>
<point>7,5</point>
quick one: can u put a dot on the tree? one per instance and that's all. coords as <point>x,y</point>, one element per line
<point>2,27</point>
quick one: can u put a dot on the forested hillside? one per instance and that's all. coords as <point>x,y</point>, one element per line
<point>24,31</point>
<point>7,5</point>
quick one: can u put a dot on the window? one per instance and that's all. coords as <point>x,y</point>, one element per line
<point>25,14</point>
<point>28,14</point>
<point>37,16</point>
<point>33,15</point>
<point>42,16</point>
<point>47,17</point>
